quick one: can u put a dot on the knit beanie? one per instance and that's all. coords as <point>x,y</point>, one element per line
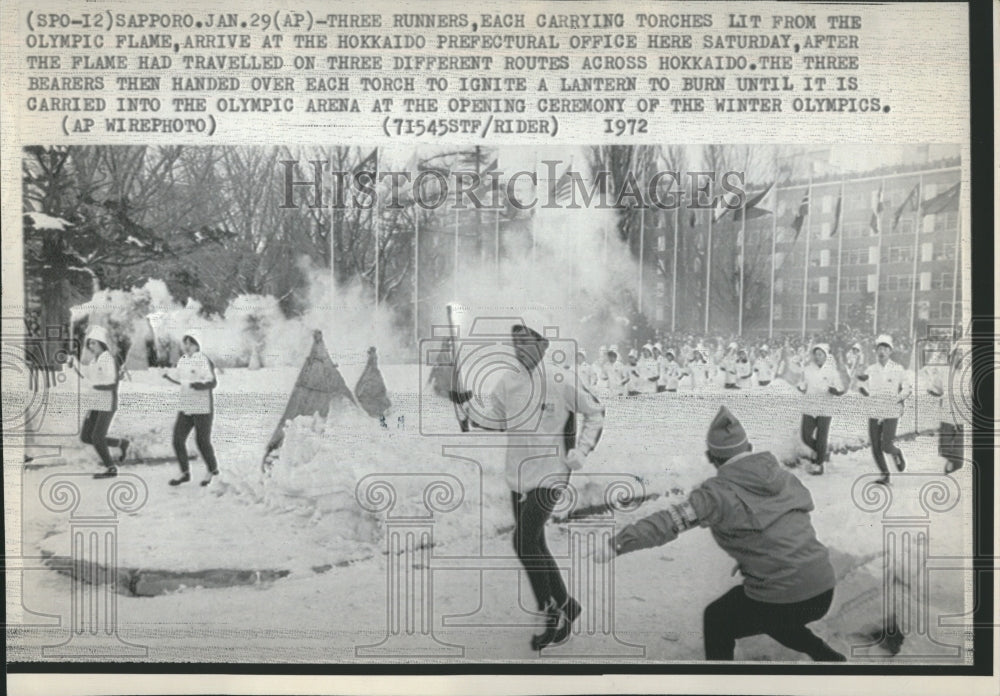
<point>726,436</point>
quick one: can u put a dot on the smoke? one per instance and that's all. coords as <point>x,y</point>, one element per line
<point>252,323</point>
<point>571,264</point>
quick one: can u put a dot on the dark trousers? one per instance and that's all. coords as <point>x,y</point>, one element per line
<point>815,434</point>
<point>882,436</point>
<point>95,432</point>
<point>734,615</point>
<point>201,423</point>
<point>951,439</point>
<point>530,514</point>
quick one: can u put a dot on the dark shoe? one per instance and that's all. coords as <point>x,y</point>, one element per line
<point>951,467</point>
<point>551,620</point>
<point>883,479</point>
<point>124,446</point>
<point>899,461</point>
<point>184,478</point>
<point>107,473</point>
<point>208,480</point>
<point>816,469</point>
<point>566,615</point>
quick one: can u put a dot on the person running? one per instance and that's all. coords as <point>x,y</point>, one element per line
<point>888,386</point>
<point>100,377</point>
<point>951,434</point>
<point>543,450</point>
<point>820,383</point>
<point>196,408</point>
<point>758,513</point>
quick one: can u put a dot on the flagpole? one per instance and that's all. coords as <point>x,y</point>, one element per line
<point>333,246</point>
<point>878,258</point>
<point>642,245</point>
<point>743,253</point>
<point>416,274</point>
<point>840,253</point>
<point>954,273</point>
<point>916,257</point>
<point>673,291</point>
<point>376,230</point>
<point>805,265</point>
<point>708,268</point>
<point>454,270</point>
<point>774,240</point>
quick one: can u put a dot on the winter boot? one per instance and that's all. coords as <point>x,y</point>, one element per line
<point>183,478</point>
<point>565,616</point>
<point>542,639</point>
<point>900,461</point>
<point>110,472</point>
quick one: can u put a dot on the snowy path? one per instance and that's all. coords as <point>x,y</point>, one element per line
<point>306,519</point>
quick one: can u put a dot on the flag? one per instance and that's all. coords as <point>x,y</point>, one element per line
<point>912,198</point>
<point>800,217</point>
<point>836,216</point>
<point>943,201</point>
<point>751,204</point>
<point>876,219</point>
<point>489,181</point>
<point>564,187</point>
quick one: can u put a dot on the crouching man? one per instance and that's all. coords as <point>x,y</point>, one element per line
<point>759,515</point>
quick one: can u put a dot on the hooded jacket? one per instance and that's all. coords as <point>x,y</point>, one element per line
<point>196,373</point>
<point>758,513</point>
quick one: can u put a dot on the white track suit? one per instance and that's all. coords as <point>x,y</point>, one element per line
<point>538,412</point>
<point>887,385</point>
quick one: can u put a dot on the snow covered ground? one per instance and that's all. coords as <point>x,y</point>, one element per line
<point>305,519</point>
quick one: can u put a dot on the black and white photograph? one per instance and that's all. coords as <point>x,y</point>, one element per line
<point>466,409</point>
<point>549,347</point>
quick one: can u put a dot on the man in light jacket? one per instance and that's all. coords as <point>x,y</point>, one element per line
<point>821,382</point>
<point>887,385</point>
<point>758,514</point>
<point>537,408</point>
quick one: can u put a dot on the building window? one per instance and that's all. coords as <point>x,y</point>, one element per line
<point>942,281</point>
<point>894,283</point>
<point>899,254</point>
<point>854,284</point>
<point>946,221</point>
<point>816,312</point>
<point>944,251</point>
<point>855,257</point>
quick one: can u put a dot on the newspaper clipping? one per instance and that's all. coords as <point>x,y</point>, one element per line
<point>569,339</point>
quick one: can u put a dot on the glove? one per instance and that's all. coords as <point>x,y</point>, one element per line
<point>862,378</point>
<point>459,397</point>
<point>575,459</point>
<point>862,391</point>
